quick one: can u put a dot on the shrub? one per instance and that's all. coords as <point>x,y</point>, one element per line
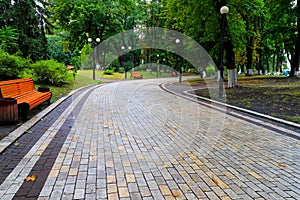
<point>210,71</point>
<point>109,72</point>
<point>11,65</point>
<point>49,72</point>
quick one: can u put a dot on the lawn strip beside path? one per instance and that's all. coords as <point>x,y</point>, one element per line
<point>267,95</point>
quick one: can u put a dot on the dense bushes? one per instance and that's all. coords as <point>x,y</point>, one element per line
<point>49,72</point>
<point>109,72</point>
<point>11,65</point>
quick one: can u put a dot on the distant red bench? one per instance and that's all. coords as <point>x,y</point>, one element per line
<point>174,74</point>
<point>23,93</point>
<point>136,75</point>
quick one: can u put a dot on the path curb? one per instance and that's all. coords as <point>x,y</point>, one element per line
<point>188,95</point>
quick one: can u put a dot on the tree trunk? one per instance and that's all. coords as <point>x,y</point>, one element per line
<point>249,51</point>
<point>274,68</point>
<point>257,65</point>
<point>230,77</point>
<point>230,64</point>
<point>296,58</point>
<point>120,59</point>
<point>242,68</point>
<point>249,55</point>
<point>268,64</point>
<point>279,60</point>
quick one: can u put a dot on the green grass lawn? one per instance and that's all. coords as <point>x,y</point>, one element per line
<point>100,75</point>
<point>71,84</point>
<point>121,76</point>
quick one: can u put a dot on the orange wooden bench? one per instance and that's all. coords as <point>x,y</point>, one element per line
<point>23,91</point>
<point>136,75</point>
<point>174,74</point>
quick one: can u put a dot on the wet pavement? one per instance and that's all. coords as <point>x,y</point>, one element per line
<point>134,140</point>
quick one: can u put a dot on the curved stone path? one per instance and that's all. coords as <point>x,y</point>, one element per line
<point>133,140</point>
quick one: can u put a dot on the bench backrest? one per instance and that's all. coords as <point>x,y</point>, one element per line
<point>15,88</point>
<point>135,73</point>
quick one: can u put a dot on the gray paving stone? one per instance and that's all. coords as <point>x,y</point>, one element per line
<point>69,189</point>
<point>131,140</point>
<point>293,194</point>
<point>56,194</point>
<point>101,193</point>
<point>80,184</point>
<point>90,196</point>
<point>136,196</point>
<point>276,196</point>
<point>71,179</point>
<point>67,196</point>
<point>90,188</point>
<point>79,193</point>
<point>133,188</point>
<point>231,193</point>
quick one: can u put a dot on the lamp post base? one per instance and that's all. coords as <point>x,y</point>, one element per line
<point>221,88</point>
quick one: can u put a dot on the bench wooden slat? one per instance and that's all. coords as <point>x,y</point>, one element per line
<point>136,75</point>
<point>24,92</point>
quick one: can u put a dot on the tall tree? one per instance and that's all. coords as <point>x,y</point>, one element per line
<point>87,18</point>
<point>295,64</point>
<point>284,28</point>
<point>29,19</point>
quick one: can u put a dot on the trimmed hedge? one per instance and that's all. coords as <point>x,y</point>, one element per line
<point>11,66</point>
<point>49,72</point>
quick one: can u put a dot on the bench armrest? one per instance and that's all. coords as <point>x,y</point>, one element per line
<point>8,100</point>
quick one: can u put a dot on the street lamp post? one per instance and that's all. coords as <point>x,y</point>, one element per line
<point>157,65</point>
<point>180,48</point>
<point>94,43</point>
<point>224,10</point>
<point>124,51</point>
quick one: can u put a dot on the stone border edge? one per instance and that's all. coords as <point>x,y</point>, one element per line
<point>220,104</point>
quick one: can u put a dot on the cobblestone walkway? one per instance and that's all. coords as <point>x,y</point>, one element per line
<point>132,140</point>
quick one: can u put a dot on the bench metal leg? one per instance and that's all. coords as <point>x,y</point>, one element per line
<point>24,108</point>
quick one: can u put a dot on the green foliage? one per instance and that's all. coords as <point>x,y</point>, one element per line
<point>75,61</point>
<point>127,65</point>
<point>49,72</point>
<point>88,18</point>
<point>109,72</point>
<point>210,71</point>
<point>265,29</point>
<point>29,20</point>
<point>55,48</point>
<point>8,39</point>
<point>11,66</point>
<point>85,54</point>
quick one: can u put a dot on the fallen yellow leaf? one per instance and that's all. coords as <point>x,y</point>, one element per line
<point>16,143</point>
<point>166,166</point>
<point>30,178</point>
<point>215,180</point>
<point>175,195</point>
<point>282,165</point>
<point>73,139</point>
